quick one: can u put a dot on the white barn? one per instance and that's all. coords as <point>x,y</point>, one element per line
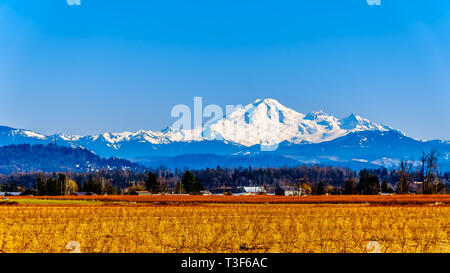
<point>254,190</point>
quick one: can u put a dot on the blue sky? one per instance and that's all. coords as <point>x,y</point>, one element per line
<point>108,66</point>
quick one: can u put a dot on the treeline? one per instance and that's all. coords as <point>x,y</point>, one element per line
<point>63,185</point>
<point>217,180</point>
<point>230,180</point>
<point>102,183</point>
<point>423,178</point>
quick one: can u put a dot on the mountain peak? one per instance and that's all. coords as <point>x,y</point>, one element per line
<point>355,116</point>
<point>314,115</point>
<point>356,123</point>
<point>266,101</point>
<point>268,108</point>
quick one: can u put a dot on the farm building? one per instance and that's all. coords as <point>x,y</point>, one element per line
<point>141,193</point>
<point>253,190</point>
<point>288,191</point>
<point>82,193</point>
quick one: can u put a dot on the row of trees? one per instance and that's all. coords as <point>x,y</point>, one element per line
<point>429,179</point>
<point>368,184</point>
<point>189,184</point>
<point>62,185</point>
<point>424,177</point>
<point>56,186</point>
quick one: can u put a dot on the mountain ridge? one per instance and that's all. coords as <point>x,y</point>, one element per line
<point>238,127</point>
<point>312,137</point>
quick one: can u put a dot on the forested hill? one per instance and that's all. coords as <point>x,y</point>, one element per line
<point>54,158</point>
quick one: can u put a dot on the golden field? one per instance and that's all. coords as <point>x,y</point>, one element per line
<point>256,199</point>
<point>139,227</point>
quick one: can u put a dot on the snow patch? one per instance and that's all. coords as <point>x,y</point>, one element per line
<point>33,134</point>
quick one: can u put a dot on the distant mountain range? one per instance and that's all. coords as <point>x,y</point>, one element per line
<point>241,138</point>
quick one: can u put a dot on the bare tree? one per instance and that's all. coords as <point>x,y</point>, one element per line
<point>430,170</point>
<point>405,177</point>
<point>423,162</point>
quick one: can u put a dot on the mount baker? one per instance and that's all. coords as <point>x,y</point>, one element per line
<point>239,138</point>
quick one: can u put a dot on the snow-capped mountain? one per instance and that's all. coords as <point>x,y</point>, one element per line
<point>268,122</point>
<point>243,132</point>
<point>261,122</point>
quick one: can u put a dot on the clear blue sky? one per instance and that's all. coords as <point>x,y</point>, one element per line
<point>109,66</point>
